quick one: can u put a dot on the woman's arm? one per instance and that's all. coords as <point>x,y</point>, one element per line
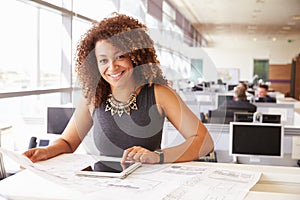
<point>198,141</point>
<point>74,133</point>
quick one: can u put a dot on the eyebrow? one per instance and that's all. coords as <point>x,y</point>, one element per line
<point>115,53</point>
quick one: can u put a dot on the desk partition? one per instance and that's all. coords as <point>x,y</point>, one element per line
<point>285,110</point>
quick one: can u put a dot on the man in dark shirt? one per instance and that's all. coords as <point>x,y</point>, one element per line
<point>239,101</point>
<point>262,93</point>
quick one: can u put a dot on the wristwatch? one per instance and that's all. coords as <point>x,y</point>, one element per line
<point>161,155</point>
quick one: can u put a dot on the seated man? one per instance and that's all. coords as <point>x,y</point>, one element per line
<point>262,93</point>
<point>239,101</point>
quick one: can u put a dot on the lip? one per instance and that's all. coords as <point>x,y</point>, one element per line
<point>116,76</point>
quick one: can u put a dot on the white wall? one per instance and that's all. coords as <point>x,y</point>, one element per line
<point>242,54</point>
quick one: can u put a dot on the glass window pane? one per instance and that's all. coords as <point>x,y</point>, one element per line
<point>94,9</point>
<point>50,49</point>
<point>135,8</point>
<point>18,46</point>
<point>167,9</point>
<point>79,28</point>
<point>27,116</point>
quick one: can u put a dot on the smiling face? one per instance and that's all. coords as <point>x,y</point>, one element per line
<point>114,65</point>
<point>261,92</point>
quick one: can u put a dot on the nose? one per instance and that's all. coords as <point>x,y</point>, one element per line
<point>111,66</point>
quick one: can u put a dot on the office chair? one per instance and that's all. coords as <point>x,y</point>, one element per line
<point>211,157</point>
<point>33,142</point>
<point>57,120</point>
<point>203,118</point>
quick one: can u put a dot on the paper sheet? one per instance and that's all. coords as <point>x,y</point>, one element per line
<point>216,183</point>
<point>167,181</point>
<point>18,158</point>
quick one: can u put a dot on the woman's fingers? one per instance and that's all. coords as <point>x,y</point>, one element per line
<point>139,154</point>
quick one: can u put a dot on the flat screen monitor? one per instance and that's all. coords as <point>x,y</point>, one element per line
<point>222,98</point>
<point>256,139</point>
<point>58,118</point>
<point>231,87</point>
<point>248,117</point>
<point>220,116</point>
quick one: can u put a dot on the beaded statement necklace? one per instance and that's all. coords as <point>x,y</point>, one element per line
<point>115,106</point>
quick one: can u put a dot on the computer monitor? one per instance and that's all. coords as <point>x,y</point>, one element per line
<point>231,87</point>
<point>243,117</point>
<point>58,118</point>
<point>256,139</point>
<point>220,116</point>
<point>222,98</point>
<point>248,117</point>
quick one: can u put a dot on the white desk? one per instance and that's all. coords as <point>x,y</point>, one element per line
<point>275,183</point>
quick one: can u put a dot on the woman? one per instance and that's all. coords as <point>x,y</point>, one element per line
<point>126,100</point>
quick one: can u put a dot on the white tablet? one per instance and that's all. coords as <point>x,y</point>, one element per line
<point>109,169</point>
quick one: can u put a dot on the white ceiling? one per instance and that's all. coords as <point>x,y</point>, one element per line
<point>243,20</point>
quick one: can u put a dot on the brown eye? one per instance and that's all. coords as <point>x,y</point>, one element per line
<point>103,61</point>
<point>120,57</point>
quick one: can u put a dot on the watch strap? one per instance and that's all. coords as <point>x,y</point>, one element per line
<point>161,155</point>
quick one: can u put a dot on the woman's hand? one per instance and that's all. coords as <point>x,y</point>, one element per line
<point>36,154</point>
<point>140,154</point>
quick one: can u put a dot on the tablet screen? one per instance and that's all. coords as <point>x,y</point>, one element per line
<point>108,166</point>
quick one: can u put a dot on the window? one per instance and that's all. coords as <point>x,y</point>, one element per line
<point>78,29</point>
<point>94,9</point>
<point>50,50</point>
<point>18,46</point>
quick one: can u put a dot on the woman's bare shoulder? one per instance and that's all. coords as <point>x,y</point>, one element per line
<point>164,94</point>
<point>162,89</point>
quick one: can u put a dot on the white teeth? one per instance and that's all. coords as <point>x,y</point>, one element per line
<point>115,75</point>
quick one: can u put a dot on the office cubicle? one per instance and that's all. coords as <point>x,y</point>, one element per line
<point>205,101</point>
<point>285,110</point>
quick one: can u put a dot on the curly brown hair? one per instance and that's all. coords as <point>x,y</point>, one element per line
<point>128,35</point>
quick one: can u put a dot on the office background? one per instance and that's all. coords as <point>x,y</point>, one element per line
<point>38,41</point>
<point>38,44</point>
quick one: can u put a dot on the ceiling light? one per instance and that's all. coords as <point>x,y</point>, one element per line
<point>260,1</point>
<point>252,27</point>
<point>292,23</point>
<point>254,39</point>
<point>296,17</point>
<point>220,27</point>
<point>274,39</point>
<point>286,28</point>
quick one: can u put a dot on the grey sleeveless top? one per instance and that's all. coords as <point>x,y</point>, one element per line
<point>143,127</point>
